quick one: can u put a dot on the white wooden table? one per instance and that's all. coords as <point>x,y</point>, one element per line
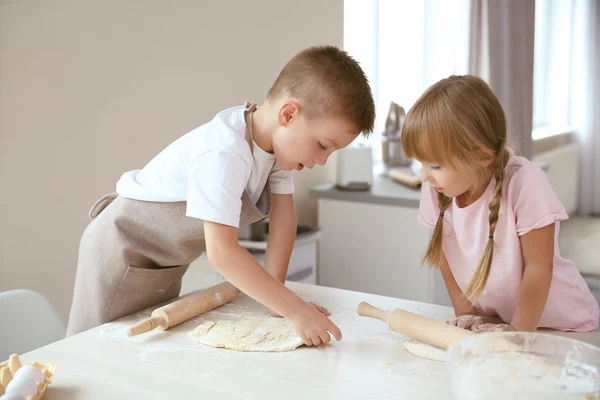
<point>369,363</point>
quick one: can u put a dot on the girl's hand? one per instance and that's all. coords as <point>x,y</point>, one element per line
<point>468,321</point>
<point>494,328</point>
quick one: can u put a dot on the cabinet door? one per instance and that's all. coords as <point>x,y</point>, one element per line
<point>375,249</point>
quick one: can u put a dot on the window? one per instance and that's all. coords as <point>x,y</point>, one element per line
<point>404,46</point>
<point>555,55</point>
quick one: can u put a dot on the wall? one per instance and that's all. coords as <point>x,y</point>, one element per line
<point>562,165</point>
<point>90,89</point>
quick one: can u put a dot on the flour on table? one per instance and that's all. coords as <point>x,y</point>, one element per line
<point>424,350</point>
<point>248,334</point>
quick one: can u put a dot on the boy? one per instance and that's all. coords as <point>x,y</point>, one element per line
<point>228,173</point>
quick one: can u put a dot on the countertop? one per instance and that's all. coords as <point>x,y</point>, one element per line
<point>384,191</point>
<point>370,361</point>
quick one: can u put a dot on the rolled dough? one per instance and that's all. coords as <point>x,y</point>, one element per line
<point>424,350</point>
<point>248,334</point>
<point>493,344</point>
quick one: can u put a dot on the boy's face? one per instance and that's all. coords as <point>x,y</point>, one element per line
<point>300,143</point>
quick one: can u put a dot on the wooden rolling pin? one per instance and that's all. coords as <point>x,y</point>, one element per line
<point>427,330</point>
<point>186,308</point>
<point>405,177</point>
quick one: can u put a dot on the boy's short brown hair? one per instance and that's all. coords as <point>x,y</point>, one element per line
<point>327,81</point>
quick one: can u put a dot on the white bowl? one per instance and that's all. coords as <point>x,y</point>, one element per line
<point>519,365</point>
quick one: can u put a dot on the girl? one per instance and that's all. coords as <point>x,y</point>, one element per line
<point>494,216</point>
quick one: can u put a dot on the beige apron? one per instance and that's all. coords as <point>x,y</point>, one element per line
<point>134,254</point>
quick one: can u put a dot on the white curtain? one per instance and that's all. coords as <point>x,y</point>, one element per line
<point>501,52</point>
<point>585,100</point>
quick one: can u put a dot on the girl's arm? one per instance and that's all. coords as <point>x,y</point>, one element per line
<point>537,248</point>
<point>462,305</point>
<point>466,312</point>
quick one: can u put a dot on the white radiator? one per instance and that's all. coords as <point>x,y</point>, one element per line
<point>563,173</point>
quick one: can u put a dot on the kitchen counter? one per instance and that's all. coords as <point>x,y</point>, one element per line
<point>384,191</point>
<point>369,363</point>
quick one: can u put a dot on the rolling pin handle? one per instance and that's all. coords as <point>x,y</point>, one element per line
<point>360,308</point>
<point>145,325</point>
<point>367,310</point>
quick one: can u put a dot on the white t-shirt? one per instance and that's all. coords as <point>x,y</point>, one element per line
<point>209,167</point>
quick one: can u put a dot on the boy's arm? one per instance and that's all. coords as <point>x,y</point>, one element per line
<point>282,234</point>
<point>240,268</point>
<point>537,248</point>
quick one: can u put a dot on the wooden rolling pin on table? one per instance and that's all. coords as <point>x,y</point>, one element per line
<point>427,330</point>
<point>186,308</point>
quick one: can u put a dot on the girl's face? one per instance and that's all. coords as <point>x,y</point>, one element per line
<point>449,181</point>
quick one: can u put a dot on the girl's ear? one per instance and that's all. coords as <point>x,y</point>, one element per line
<point>487,157</point>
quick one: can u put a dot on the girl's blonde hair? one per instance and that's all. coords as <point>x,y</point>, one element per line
<point>458,122</point>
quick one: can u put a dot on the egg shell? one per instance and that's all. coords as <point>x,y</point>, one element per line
<point>30,372</point>
<point>22,385</point>
<point>12,396</point>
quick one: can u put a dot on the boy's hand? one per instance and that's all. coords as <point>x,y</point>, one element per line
<point>321,309</point>
<point>313,327</point>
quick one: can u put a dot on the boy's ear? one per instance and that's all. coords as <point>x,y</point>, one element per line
<point>288,111</point>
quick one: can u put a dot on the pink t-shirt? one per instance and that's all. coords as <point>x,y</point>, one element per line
<point>528,203</point>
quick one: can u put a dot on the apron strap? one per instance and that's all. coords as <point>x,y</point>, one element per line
<point>101,204</point>
<point>250,108</point>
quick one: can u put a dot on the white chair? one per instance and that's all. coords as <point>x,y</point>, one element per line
<point>27,321</point>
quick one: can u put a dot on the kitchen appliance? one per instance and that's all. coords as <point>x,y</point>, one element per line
<point>391,147</point>
<point>354,167</point>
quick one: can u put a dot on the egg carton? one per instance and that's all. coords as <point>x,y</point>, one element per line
<point>9,368</point>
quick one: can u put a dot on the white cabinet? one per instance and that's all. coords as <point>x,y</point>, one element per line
<point>303,260</point>
<point>377,249</point>
<point>302,266</point>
